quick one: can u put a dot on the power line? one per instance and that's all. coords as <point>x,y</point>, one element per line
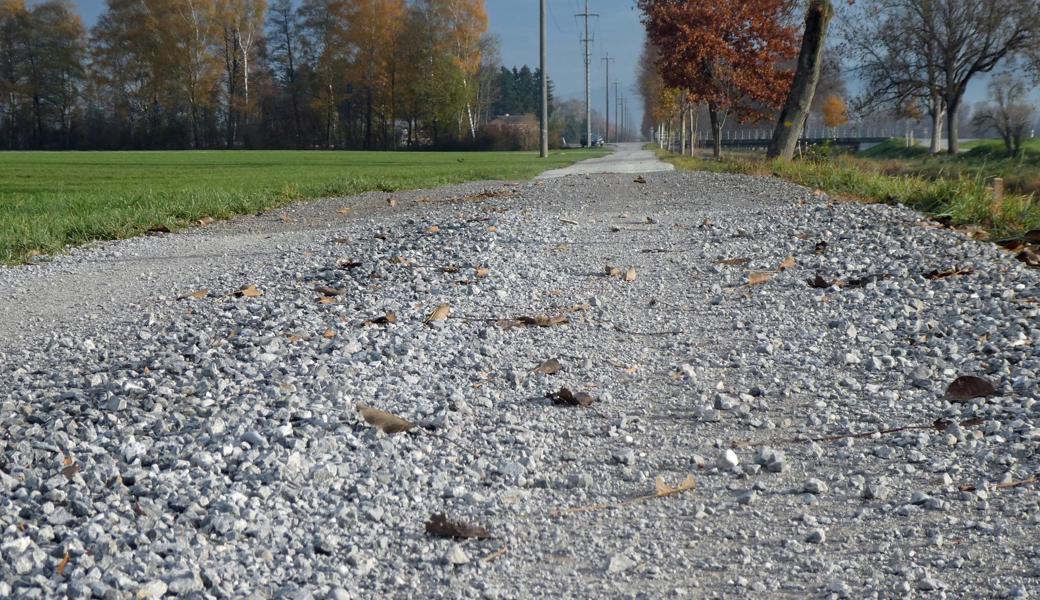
<point>588,59</point>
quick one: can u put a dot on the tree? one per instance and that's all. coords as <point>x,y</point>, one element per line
<point>834,111</point>
<point>1009,111</point>
<point>283,43</point>
<point>241,25</point>
<point>807,75</point>
<point>898,66</point>
<point>727,54</point>
<point>41,71</point>
<point>459,26</point>
<point>373,30</point>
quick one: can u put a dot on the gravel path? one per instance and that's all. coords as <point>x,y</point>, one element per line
<point>211,448</point>
<point>625,158</point>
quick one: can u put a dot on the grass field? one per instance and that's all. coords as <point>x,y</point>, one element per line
<point>983,159</point>
<point>961,197</point>
<point>52,200</point>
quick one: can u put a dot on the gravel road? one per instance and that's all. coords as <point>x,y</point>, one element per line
<point>211,447</point>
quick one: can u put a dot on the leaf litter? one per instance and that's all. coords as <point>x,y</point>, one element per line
<point>441,526</point>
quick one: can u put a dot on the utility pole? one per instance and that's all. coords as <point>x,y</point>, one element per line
<point>545,85</point>
<point>608,60</point>
<point>619,133</point>
<point>587,40</point>
<point>624,117</point>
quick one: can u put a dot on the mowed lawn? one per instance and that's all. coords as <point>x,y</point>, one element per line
<point>50,200</point>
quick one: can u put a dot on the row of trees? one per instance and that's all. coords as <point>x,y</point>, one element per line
<point>920,56</point>
<point>740,59</point>
<point>239,73</point>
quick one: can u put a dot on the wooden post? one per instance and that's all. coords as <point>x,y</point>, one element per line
<point>998,196</point>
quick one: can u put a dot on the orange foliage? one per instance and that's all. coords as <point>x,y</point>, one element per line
<point>834,111</point>
<point>725,53</point>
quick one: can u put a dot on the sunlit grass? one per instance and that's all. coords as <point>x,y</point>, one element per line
<point>50,200</point>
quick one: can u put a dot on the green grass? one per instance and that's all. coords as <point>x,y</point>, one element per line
<point>983,159</point>
<point>962,199</point>
<point>50,200</point>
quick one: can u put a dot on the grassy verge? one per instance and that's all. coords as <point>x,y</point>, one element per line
<point>961,199</point>
<point>982,159</point>
<point>52,200</point>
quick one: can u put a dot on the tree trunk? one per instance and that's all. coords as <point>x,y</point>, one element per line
<point>682,135</point>
<point>937,125</point>
<point>716,132</point>
<point>37,105</point>
<point>952,129</point>
<point>807,75</point>
<point>368,118</point>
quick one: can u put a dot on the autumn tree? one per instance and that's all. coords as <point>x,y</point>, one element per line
<point>234,73</point>
<point>41,70</point>
<point>458,26</point>
<point>834,111</point>
<point>727,54</point>
<point>373,30</point>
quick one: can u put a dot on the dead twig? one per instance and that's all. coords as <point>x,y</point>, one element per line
<point>1010,485</point>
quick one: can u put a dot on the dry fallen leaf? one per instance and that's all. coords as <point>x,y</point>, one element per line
<point>759,277</point>
<point>440,314</point>
<point>492,229</point>
<point>549,367</point>
<point>345,211</point>
<point>327,300</point>
<point>433,229</point>
<point>1029,257</point>
<point>391,202</point>
<point>538,321</point>
<point>329,334</point>
<point>70,470</point>
<point>204,221</point>
<point>565,397</point>
<point>663,490</point>
<point>614,272</point>
<point>483,272</point>
<point>630,275</point>
<point>248,291</point>
<point>440,526</point>
<point>968,388</point>
<point>388,319</point>
<point>199,295</point>
<point>954,272</point>
<point>384,421</point>
<point>789,263</point>
<point>60,569</point>
<point>330,291</point>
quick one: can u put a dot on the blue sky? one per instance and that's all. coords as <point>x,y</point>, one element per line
<point>617,31</point>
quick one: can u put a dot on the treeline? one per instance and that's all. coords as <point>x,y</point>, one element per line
<point>768,62</point>
<point>173,74</point>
